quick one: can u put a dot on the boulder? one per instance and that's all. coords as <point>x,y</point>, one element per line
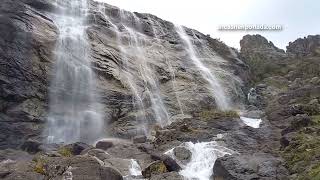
<point>167,176</point>
<point>169,162</point>
<point>182,154</point>
<point>155,168</point>
<point>139,139</point>
<point>245,166</point>
<point>105,145</point>
<point>31,146</point>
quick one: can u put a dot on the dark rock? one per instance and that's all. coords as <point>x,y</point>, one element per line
<point>105,145</point>
<point>139,139</point>
<point>170,163</point>
<point>31,146</point>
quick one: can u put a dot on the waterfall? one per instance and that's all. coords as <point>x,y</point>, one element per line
<point>149,81</point>
<point>221,98</point>
<point>154,25</point>
<point>74,111</point>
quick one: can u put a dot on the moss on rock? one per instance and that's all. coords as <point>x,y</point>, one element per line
<point>303,153</point>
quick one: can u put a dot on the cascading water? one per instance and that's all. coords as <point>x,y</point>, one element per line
<point>202,160</point>
<point>135,169</point>
<point>74,113</point>
<point>155,25</point>
<point>222,100</point>
<point>150,83</point>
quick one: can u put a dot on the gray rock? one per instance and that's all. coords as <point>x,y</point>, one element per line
<point>244,166</point>
<point>105,145</point>
<point>139,139</point>
<point>182,154</point>
<point>307,46</point>
<point>167,176</point>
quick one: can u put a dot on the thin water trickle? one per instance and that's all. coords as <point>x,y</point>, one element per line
<point>157,29</point>
<point>222,100</point>
<point>151,87</point>
<point>74,112</point>
<point>135,169</point>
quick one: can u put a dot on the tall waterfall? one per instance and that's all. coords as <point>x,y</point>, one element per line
<point>222,100</point>
<point>74,111</point>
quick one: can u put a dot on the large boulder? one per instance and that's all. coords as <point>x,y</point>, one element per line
<point>245,166</point>
<point>105,145</point>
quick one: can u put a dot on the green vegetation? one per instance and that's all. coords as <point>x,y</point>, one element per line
<point>208,115</point>
<point>304,151</point>
<point>65,152</point>
<point>40,164</point>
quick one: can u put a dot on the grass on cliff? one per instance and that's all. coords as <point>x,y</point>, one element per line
<point>40,164</point>
<point>65,152</point>
<point>208,115</point>
<point>303,154</point>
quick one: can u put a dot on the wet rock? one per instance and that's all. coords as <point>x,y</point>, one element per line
<point>169,162</point>
<point>243,167</point>
<point>167,176</point>
<point>31,146</point>
<point>182,154</point>
<point>105,145</point>
<point>155,168</point>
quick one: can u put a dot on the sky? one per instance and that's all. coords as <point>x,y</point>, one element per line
<point>298,18</point>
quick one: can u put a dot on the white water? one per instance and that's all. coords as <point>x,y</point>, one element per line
<point>202,160</point>
<point>74,112</point>
<point>222,100</point>
<point>135,169</point>
<point>150,82</point>
<point>157,29</point>
<point>252,122</point>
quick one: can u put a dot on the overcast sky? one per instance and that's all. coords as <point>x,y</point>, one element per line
<point>298,17</point>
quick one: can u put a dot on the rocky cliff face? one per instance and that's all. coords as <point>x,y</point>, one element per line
<point>290,96</point>
<point>27,43</point>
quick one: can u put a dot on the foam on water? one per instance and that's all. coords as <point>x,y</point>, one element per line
<point>252,122</point>
<point>203,157</point>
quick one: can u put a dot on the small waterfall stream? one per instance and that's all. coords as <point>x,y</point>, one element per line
<point>155,25</point>
<point>203,157</point>
<point>74,111</point>
<point>222,100</point>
